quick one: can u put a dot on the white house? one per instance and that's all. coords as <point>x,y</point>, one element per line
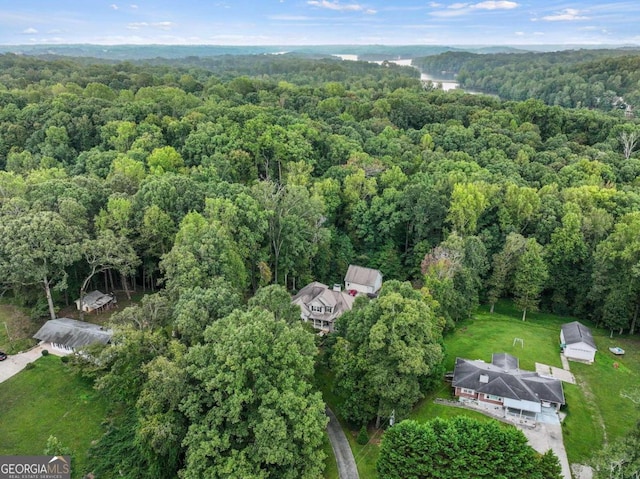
<point>67,335</point>
<point>577,342</point>
<point>362,280</point>
<point>322,305</point>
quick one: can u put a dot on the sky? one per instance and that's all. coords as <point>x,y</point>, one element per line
<point>320,22</point>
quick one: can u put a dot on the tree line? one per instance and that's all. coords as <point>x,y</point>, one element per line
<point>604,79</point>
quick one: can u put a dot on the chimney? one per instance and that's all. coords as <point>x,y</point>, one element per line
<point>484,378</point>
<point>337,287</point>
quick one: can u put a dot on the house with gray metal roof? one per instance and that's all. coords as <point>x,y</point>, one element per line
<point>362,280</point>
<point>577,342</point>
<point>68,335</point>
<point>502,387</point>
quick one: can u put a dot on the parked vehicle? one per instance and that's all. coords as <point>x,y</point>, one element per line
<point>3,356</point>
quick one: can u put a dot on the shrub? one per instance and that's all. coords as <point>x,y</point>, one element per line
<point>30,366</point>
<point>45,352</point>
<point>363,436</point>
<point>64,359</point>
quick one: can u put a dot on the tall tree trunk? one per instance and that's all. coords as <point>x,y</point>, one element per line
<point>81,301</point>
<point>126,288</point>
<point>524,314</point>
<point>378,421</point>
<point>493,305</point>
<point>635,318</point>
<point>47,290</point>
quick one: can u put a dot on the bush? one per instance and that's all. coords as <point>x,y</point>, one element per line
<point>363,436</point>
<point>30,366</point>
<point>45,352</point>
<point>64,359</point>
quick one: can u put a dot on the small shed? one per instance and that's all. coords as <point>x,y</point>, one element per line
<point>96,301</point>
<point>577,342</point>
<point>362,280</point>
<point>68,335</point>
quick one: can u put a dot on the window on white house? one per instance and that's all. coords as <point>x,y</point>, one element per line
<point>316,309</point>
<point>491,397</point>
<point>468,391</point>
<point>328,309</point>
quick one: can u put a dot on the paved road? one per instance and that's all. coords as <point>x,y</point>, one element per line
<point>347,468</point>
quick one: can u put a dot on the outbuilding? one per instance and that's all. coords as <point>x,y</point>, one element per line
<point>576,342</point>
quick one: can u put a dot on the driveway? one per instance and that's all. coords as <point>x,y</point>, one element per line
<point>17,362</point>
<point>347,468</point>
<point>549,436</point>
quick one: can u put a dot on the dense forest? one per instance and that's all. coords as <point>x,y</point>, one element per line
<point>595,79</point>
<point>226,188</point>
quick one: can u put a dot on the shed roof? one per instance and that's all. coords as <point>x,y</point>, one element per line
<point>95,299</point>
<point>73,334</point>
<point>576,332</point>
<point>362,275</point>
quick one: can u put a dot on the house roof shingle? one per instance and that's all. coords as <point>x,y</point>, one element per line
<point>338,300</point>
<point>73,334</point>
<point>512,383</point>
<point>361,275</point>
<point>577,332</point>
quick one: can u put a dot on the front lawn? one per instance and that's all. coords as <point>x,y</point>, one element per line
<point>594,409</point>
<point>49,399</point>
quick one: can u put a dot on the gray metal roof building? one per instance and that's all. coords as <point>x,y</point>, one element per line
<point>72,334</point>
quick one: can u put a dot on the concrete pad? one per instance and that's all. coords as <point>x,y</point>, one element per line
<point>557,373</point>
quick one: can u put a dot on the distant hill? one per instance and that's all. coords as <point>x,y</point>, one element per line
<point>364,52</point>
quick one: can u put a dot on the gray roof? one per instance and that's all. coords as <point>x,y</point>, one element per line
<point>504,361</point>
<point>361,275</point>
<point>577,332</point>
<point>340,301</point>
<point>73,334</point>
<point>508,383</point>
<point>95,299</point>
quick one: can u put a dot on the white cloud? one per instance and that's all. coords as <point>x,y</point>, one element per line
<point>159,25</point>
<point>113,6</point>
<point>520,34</point>
<point>337,6</point>
<point>137,25</point>
<point>435,4</point>
<point>566,15</point>
<point>29,31</point>
<point>133,6</point>
<point>495,5</point>
<point>457,9</point>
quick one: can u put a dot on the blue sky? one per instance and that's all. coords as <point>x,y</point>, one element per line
<point>309,22</point>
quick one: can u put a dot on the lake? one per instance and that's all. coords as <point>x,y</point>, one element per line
<point>447,84</point>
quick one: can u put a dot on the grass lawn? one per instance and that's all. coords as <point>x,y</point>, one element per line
<point>596,411</point>
<point>49,400</point>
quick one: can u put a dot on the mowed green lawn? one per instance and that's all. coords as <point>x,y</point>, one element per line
<point>594,405</point>
<point>49,399</point>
